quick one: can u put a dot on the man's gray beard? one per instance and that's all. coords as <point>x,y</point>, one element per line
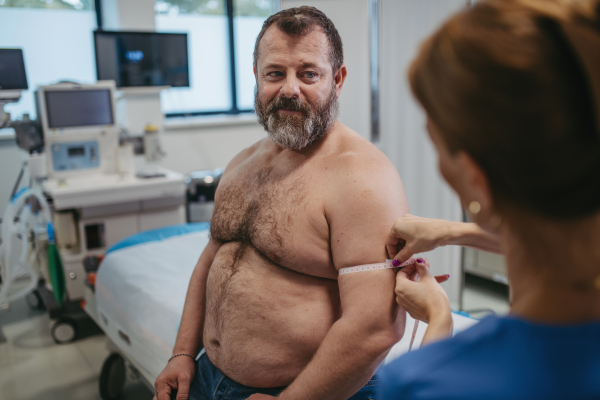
<point>295,132</point>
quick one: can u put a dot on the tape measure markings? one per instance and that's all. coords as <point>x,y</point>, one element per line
<point>377,266</point>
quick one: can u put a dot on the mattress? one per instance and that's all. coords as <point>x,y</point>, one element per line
<point>141,287</point>
<point>140,291</point>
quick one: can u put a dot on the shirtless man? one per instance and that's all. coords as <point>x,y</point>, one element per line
<point>265,298</point>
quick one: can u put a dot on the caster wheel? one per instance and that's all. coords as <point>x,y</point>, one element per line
<point>34,301</point>
<point>112,377</point>
<point>63,331</point>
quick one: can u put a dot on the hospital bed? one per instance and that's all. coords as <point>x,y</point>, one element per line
<point>139,294</point>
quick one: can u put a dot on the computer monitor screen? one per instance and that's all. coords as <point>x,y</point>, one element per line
<point>142,58</point>
<point>69,108</point>
<point>12,70</point>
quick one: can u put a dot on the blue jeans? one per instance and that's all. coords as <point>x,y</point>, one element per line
<point>211,384</point>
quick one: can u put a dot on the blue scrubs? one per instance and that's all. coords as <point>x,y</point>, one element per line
<point>501,358</point>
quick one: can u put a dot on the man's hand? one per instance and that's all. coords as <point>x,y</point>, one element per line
<point>177,376</point>
<point>259,396</point>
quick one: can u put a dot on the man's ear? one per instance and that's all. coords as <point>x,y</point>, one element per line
<point>339,78</point>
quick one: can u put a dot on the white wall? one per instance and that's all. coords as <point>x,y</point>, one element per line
<point>191,149</point>
<point>135,15</point>
<point>404,24</point>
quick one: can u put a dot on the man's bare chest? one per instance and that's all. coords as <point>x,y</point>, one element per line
<point>281,216</point>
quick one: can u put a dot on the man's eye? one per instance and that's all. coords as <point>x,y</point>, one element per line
<point>310,75</point>
<point>275,73</point>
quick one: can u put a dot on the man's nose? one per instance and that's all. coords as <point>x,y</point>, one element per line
<point>291,87</point>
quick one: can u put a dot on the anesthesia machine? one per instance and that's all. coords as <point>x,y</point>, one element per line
<point>86,194</point>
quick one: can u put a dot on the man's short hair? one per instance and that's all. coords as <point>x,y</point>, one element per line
<point>299,21</point>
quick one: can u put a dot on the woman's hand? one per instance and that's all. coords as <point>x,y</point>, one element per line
<point>424,299</point>
<point>411,235</point>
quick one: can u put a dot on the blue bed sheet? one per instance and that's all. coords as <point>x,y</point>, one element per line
<point>159,234</point>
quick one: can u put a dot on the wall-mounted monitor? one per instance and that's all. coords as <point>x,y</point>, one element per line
<point>138,59</point>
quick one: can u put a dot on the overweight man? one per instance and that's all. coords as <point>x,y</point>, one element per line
<point>265,300</point>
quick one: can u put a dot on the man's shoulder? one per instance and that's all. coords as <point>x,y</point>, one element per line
<point>358,160</point>
<point>245,154</point>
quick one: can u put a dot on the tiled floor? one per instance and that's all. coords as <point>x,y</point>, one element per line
<point>33,367</point>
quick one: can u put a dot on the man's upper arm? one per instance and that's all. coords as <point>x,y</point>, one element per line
<point>367,202</point>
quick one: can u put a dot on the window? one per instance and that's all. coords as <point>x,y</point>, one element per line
<point>213,53</point>
<point>249,16</point>
<point>60,47</point>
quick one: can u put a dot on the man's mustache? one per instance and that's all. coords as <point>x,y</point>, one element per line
<point>288,103</point>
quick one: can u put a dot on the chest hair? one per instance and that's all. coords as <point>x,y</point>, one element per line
<point>259,209</point>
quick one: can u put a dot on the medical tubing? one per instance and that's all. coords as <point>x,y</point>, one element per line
<point>18,182</point>
<point>12,268</point>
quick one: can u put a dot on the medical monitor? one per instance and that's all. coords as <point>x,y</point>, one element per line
<point>65,108</point>
<point>69,108</point>
<point>12,70</point>
<point>79,127</point>
<point>134,59</point>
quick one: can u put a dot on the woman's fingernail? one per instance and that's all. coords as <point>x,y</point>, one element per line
<point>420,260</point>
<point>448,275</point>
<point>396,262</point>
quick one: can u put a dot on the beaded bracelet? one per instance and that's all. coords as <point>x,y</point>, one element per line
<point>181,354</point>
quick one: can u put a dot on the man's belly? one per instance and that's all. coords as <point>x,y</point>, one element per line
<point>263,322</point>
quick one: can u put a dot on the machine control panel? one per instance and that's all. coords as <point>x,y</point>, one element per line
<point>73,156</point>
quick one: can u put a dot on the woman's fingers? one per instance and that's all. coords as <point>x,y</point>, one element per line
<point>415,276</point>
<point>422,297</point>
<point>402,275</point>
<point>394,243</point>
<point>422,269</point>
<point>397,237</point>
<point>404,254</point>
<point>411,270</point>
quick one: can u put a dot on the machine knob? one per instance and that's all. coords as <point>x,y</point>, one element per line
<point>91,263</point>
<point>72,275</point>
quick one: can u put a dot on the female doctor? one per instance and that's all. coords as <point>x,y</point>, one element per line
<point>511,89</point>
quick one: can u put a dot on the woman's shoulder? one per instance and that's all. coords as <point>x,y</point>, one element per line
<point>445,351</point>
<point>493,349</point>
